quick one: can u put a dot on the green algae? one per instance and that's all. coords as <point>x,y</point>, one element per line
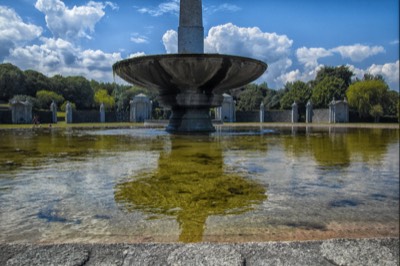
<point>191,185</point>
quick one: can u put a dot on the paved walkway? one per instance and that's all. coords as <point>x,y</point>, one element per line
<point>330,252</point>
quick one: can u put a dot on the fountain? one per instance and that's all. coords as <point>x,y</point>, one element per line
<point>190,82</point>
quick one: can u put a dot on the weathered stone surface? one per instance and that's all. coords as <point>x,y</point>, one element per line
<point>360,252</point>
<point>190,31</point>
<point>205,254</point>
<point>284,253</point>
<point>105,255</point>
<point>330,252</point>
<point>148,254</point>
<point>50,255</point>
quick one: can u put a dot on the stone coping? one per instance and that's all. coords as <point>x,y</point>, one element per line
<point>163,123</point>
<point>374,251</point>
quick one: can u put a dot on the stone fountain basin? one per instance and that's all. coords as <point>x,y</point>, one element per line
<point>180,73</point>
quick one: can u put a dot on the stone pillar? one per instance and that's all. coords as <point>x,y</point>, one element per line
<point>68,113</point>
<point>140,108</point>
<point>332,111</point>
<point>262,113</point>
<point>218,113</point>
<point>309,112</point>
<point>346,104</point>
<point>226,112</point>
<point>234,112</point>
<point>53,109</point>
<point>295,112</point>
<point>190,30</point>
<point>102,113</point>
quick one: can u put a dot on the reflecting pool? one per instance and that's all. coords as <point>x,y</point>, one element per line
<point>235,185</point>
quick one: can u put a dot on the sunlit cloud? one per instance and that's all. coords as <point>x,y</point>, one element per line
<point>75,22</point>
<point>358,52</point>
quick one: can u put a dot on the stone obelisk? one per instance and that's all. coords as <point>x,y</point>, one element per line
<point>190,31</point>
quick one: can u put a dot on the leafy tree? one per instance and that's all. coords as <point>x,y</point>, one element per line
<point>250,99</point>
<point>326,90</point>
<point>376,111</point>
<point>102,96</point>
<point>340,72</point>
<point>75,89</point>
<point>36,81</point>
<point>296,91</point>
<point>12,81</point>
<point>363,95</point>
<point>45,98</point>
<point>96,86</point>
<point>368,76</point>
<point>272,99</point>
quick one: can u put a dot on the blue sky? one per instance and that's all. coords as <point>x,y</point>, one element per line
<point>294,37</point>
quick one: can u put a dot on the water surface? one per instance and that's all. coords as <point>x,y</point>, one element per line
<point>238,184</point>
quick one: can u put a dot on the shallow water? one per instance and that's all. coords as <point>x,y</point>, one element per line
<point>249,184</point>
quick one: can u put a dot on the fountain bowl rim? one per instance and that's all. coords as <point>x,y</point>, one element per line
<point>189,55</point>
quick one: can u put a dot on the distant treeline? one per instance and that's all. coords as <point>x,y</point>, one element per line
<point>369,97</point>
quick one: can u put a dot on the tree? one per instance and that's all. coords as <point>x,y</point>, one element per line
<point>96,86</point>
<point>75,89</point>
<point>250,99</point>
<point>326,90</point>
<point>298,92</point>
<point>363,95</point>
<point>340,72</point>
<point>12,81</point>
<point>36,81</point>
<point>102,96</point>
<point>376,111</point>
<point>391,105</point>
<point>45,98</point>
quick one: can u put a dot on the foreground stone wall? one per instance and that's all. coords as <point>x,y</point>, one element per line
<point>382,251</point>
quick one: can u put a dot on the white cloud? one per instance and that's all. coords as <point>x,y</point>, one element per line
<point>304,75</point>
<point>390,71</point>
<point>137,38</point>
<point>252,42</point>
<point>161,9</point>
<point>358,52</point>
<point>309,56</point>
<point>13,30</point>
<point>58,56</point>
<point>170,41</point>
<point>137,54</point>
<point>76,22</point>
